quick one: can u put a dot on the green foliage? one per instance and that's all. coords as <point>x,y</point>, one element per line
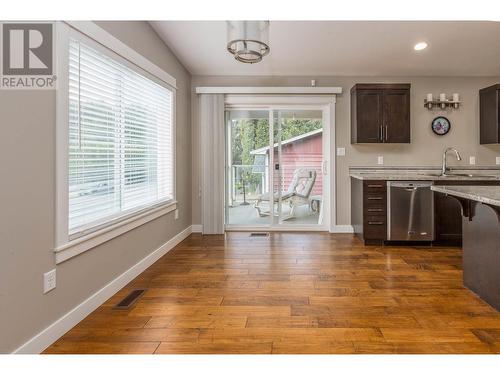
<point>250,134</point>
<point>292,128</point>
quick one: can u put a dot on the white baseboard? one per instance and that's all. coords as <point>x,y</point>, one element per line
<point>49,335</point>
<point>197,228</point>
<point>342,229</point>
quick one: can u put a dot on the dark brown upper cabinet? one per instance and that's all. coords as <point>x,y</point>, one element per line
<point>380,113</point>
<point>489,115</point>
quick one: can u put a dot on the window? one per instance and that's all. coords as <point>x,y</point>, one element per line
<point>120,140</point>
<point>115,139</point>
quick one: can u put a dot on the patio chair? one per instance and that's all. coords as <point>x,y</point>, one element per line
<point>297,194</point>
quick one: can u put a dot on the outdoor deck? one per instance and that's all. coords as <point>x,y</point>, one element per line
<point>248,215</point>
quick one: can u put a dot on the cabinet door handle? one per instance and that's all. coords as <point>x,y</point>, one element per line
<point>386,132</point>
<point>375,210</point>
<point>381,133</point>
<point>374,198</point>
<point>374,186</point>
<point>375,223</point>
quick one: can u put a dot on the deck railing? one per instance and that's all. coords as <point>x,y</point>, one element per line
<point>247,182</point>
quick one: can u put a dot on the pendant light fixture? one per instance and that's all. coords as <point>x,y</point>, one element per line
<point>248,41</point>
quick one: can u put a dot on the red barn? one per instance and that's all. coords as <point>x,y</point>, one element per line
<point>303,151</point>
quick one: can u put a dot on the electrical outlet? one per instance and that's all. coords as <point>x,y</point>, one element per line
<point>497,159</point>
<point>49,281</point>
<point>380,160</point>
<point>472,160</point>
<point>340,151</point>
<point>176,214</point>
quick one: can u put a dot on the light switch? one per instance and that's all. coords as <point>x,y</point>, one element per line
<point>380,160</point>
<point>340,151</point>
<point>472,160</point>
<point>497,160</point>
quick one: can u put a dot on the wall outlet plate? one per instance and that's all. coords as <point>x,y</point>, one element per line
<point>49,281</point>
<point>340,151</point>
<point>380,160</point>
<point>176,214</point>
<point>497,159</point>
<point>472,160</point>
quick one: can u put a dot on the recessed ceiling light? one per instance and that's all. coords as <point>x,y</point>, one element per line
<point>420,46</point>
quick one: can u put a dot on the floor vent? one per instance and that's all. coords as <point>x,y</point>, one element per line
<point>129,300</point>
<point>259,234</point>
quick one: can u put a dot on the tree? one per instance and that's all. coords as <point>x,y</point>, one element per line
<point>294,127</point>
<point>250,134</point>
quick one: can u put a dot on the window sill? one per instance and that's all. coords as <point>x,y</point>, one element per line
<point>87,242</point>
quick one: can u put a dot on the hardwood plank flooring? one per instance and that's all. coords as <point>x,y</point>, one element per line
<point>293,293</point>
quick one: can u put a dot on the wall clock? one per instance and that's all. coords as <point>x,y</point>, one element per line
<point>441,125</point>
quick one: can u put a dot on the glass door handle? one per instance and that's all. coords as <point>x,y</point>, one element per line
<point>324,167</point>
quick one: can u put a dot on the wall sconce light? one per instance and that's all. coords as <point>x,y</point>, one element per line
<point>442,102</point>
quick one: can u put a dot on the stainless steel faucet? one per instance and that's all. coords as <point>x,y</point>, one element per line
<point>445,168</point>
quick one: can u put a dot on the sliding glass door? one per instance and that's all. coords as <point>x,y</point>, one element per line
<point>298,167</point>
<point>247,170</point>
<point>275,168</point>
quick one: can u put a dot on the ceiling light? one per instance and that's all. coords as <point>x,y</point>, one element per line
<point>420,46</point>
<point>248,41</point>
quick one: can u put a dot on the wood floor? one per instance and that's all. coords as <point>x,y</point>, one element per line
<point>293,293</point>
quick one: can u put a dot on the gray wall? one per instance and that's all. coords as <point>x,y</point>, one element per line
<point>425,148</point>
<point>27,216</point>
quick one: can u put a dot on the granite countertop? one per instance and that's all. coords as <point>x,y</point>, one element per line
<point>483,194</point>
<point>424,174</point>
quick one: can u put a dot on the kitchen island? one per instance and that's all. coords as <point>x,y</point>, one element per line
<point>481,238</point>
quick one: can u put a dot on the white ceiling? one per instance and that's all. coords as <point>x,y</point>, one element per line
<point>383,48</point>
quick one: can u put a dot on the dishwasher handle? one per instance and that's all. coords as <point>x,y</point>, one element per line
<point>413,185</point>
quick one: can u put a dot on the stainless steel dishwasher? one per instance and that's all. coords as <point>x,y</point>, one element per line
<point>410,211</point>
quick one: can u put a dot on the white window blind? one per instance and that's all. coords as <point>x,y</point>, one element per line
<point>120,141</point>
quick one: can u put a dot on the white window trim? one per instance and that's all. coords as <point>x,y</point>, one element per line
<point>66,248</point>
<point>101,36</point>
